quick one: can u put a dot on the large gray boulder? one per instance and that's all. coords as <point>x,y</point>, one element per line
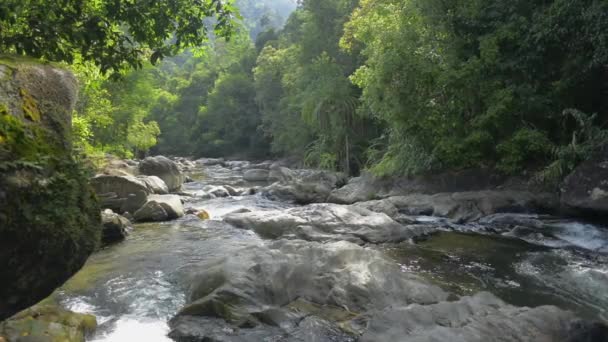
<point>256,175</point>
<point>282,284</point>
<point>465,206</point>
<point>325,222</point>
<point>165,169</point>
<point>160,208</point>
<point>585,190</point>
<point>369,187</point>
<point>49,216</point>
<point>155,185</point>
<point>121,194</point>
<point>281,174</point>
<point>115,227</point>
<point>305,186</point>
<point>479,318</point>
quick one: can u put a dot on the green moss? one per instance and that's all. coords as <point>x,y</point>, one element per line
<point>86,277</point>
<point>49,323</point>
<point>14,61</point>
<point>30,106</point>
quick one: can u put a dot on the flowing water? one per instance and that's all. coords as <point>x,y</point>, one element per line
<point>136,286</point>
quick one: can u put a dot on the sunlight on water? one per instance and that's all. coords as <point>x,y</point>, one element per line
<point>130,330</point>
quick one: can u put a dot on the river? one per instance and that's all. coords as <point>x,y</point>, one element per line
<point>136,286</point>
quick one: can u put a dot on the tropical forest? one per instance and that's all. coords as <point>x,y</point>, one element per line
<point>303,170</point>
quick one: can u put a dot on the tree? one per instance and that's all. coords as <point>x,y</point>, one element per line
<point>482,82</point>
<point>112,34</point>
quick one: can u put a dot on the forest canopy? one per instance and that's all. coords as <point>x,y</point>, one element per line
<point>110,33</point>
<point>392,86</point>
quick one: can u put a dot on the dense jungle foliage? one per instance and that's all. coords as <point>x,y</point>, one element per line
<point>395,86</point>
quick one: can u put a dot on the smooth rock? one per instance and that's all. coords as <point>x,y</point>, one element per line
<point>165,169</point>
<point>305,186</point>
<point>480,318</point>
<point>160,208</point>
<point>284,282</point>
<point>369,187</point>
<point>120,193</point>
<point>155,185</point>
<point>280,174</point>
<point>256,175</point>
<point>585,190</point>
<point>470,206</point>
<point>115,227</point>
<point>324,222</point>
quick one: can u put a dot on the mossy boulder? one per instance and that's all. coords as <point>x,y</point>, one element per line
<point>48,323</point>
<point>49,217</point>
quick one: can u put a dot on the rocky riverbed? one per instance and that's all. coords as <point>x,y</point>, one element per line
<point>276,262</point>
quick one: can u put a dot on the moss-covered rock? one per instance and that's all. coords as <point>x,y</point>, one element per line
<point>48,323</point>
<point>49,217</point>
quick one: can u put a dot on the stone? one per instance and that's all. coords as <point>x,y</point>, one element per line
<point>256,175</point>
<point>285,282</point>
<point>369,187</point>
<point>280,174</point>
<point>118,167</point>
<point>306,186</point>
<point>211,161</point>
<point>324,222</point>
<point>115,227</point>
<point>478,318</point>
<point>165,169</point>
<point>47,323</point>
<point>585,190</point>
<point>160,208</point>
<point>203,215</point>
<point>470,206</point>
<point>120,193</point>
<point>49,216</point>
<point>155,185</point>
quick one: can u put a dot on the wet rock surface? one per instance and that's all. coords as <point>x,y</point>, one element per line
<point>160,208</point>
<point>303,186</point>
<point>47,323</point>
<point>586,189</point>
<point>115,227</point>
<point>465,206</point>
<point>286,281</point>
<point>478,318</point>
<point>325,222</point>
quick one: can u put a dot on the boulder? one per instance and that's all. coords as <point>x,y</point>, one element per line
<point>211,161</point>
<point>467,206</point>
<point>217,191</point>
<point>118,167</point>
<point>369,187</point>
<point>155,185</point>
<point>121,186</point>
<point>49,216</point>
<point>280,174</point>
<point>256,175</point>
<point>325,222</point>
<point>286,282</point>
<point>305,186</point>
<point>160,208</point>
<point>478,318</point>
<point>165,169</point>
<point>47,323</point>
<point>121,193</point>
<point>585,190</point>
<point>115,227</point>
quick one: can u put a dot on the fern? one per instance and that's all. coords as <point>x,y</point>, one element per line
<point>586,139</point>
